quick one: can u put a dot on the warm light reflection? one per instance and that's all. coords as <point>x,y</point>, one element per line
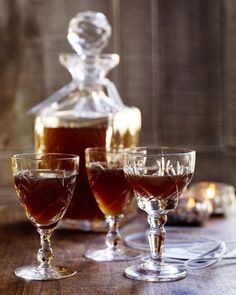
<point>191,203</point>
<point>211,191</point>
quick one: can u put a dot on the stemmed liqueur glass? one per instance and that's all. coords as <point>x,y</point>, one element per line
<point>158,175</point>
<point>113,193</point>
<point>45,185</point>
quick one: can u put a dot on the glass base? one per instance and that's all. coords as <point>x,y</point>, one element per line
<point>35,273</point>
<point>151,272</point>
<point>109,255</point>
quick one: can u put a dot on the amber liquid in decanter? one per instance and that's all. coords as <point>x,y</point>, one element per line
<point>83,205</point>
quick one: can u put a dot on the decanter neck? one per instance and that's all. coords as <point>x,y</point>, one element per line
<point>89,72</point>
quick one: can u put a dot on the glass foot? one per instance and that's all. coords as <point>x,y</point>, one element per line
<point>155,273</point>
<point>109,255</point>
<point>40,274</point>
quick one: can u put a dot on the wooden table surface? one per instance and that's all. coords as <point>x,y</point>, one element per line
<point>20,242</point>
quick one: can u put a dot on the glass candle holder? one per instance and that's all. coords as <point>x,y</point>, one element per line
<point>192,209</point>
<point>220,195</point>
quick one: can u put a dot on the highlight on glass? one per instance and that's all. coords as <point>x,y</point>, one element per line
<point>158,176</point>
<point>44,184</point>
<point>113,194</point>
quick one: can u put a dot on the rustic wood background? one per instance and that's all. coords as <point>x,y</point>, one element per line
<point>178,65</point>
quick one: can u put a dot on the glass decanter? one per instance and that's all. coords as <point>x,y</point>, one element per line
<point>87,112</point>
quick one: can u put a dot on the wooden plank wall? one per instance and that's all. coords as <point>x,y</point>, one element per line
<point>177,65</point>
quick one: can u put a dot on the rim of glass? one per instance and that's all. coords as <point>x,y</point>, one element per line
<point>104,149</point>
<point>161,151</point>
<point>36,156</point>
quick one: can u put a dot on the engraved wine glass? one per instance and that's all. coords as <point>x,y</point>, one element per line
<point>45,185</point>
<point>113,193</point>
<point>158,176</point>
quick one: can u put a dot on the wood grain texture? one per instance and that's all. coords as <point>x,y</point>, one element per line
<point>190,68</point>
<point>136,62</point>
<point>229,106</point>
<point>20,242</point>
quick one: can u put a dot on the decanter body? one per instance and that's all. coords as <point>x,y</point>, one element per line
<point>87,112</point>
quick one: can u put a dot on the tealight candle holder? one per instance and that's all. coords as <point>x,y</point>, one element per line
<point>192,209</point>
<point>220,195</point>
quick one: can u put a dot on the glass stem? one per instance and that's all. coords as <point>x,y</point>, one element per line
<point>156,237</point>
<point>45,254</point>
<point>113,237</point>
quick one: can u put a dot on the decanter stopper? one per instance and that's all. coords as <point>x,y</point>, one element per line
<point>89,33</point>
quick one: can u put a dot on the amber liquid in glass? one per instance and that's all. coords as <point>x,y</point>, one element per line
<point>111,189</point>
<point>44,194</point>
<point>161,187</point>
